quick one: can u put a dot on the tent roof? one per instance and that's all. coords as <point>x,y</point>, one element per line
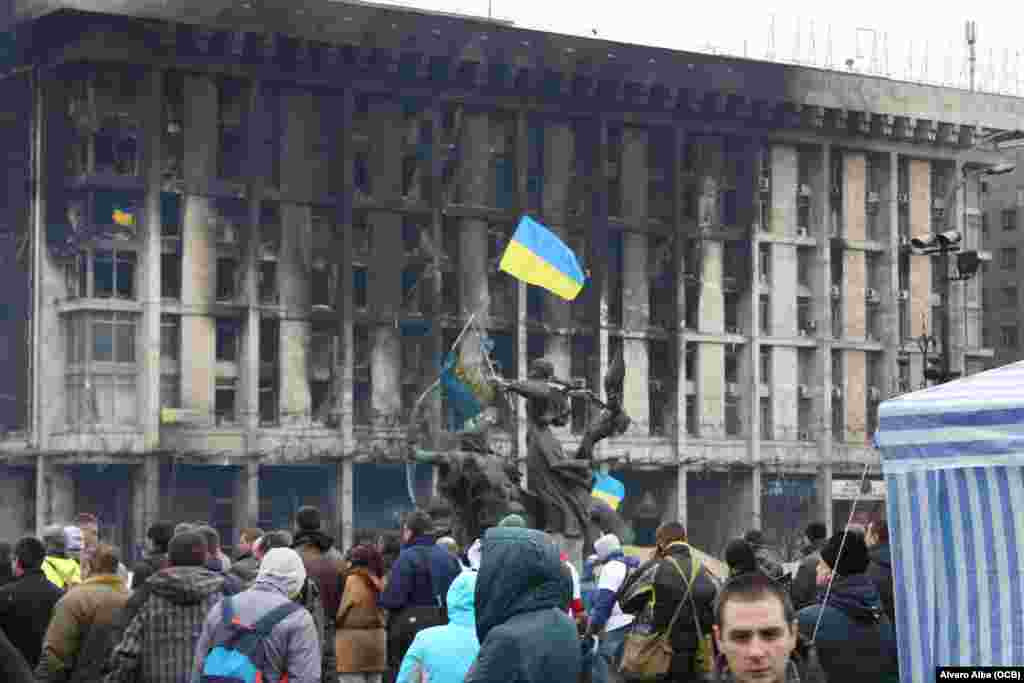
<point>973,422</point>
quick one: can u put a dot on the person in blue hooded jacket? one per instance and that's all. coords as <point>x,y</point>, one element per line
<point>855,639</point>
<point>525,634</point>
<point>443,654</point>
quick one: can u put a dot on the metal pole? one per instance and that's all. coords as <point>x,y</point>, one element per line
<point>946,322</point>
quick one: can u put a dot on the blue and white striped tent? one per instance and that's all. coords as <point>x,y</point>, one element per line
<point>953,459</point>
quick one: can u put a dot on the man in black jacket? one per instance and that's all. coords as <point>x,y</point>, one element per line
<point>157,539</point>
<point>670,573</point>
<point>880,568</point>
<point>805,587</point>
<point>12,665</point>
<point>27,604</point>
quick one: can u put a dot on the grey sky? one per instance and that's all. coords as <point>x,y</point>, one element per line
<point>914,30</point>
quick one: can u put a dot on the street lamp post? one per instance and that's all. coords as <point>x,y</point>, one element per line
<point>942,245</point>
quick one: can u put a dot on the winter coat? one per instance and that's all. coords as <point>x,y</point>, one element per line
<point>804,588</point>
<point>246,568</point>
<point>158,645</point>
<point>25,610</point>
<point>146,567</point>
<point>313,547</point>
<point>311,600</point>
<point>443,654</point>
<point>63,572</point>
<point>360,639</point>
<point>855,641</point>
<point>525,635</point>
<point>232,584</point>
<point>13,668</point>
<point>78,640</point>
<point>769,562</point>
<point>880,571</point>
<point>420,577</point>
<point>293,647</point>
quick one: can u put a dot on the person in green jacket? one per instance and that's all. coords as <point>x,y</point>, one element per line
<point>62,571</point>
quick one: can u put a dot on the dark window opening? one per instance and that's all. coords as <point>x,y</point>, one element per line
<point>691,416</point>
<point>732,312</point>
<point>170,214</point>
<point>733,425</point>
<point>320,285</point>
<point>227,277</point>
<point>227,340</point>
<point>320,400</point>
<point>270,332</point>
<point>766,315</point>
<point>170,276</point>
<point>732,365</point>
<point>170,391</point>
<point>170,337</point>
<point>767,433</point>
<point>361,173</point>
<point>224,402</point>
<point>766,364</point>
<point>268,402</point>
<point>268,282</point>
<point>359,294</point>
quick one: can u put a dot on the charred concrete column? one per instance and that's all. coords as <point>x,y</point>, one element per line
<point>711,356</point>
<point>820,289</point>
<point>785,176</point>
<point>635,294</point>
<point>246,501</point>
<point>474,190</point>
<point>384,286</point>
<point>558,158</point>
<point>61,493</point>
<point>298,164</point>
<point>198,260</point>
<point>785,365</point>
<point>149,286</point>
<point>890,282</point>
<point>42,493</point>
<point>855,273</point>
<point>250,351</point>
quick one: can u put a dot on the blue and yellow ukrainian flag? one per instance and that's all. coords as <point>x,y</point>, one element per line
<point>609,489</point>
<point>536,255</point>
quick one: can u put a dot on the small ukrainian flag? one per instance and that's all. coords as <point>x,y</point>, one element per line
<point>609,489</point>
<point>536,255</point>
<point>123,218</point>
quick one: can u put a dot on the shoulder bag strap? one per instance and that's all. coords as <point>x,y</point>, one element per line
<point>679,609</point>
<point>695,567</point>
<point>271,619</point>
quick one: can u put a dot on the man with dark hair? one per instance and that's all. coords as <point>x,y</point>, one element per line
<point>81,633</point>
<point>246,566</point>
<point>157,538</point>
<point>156,646</point>
<point>654,591</point>
<point>756,630</point>
<point>804,587</point>
<point>26,605</point>
<point>214,560</point>
<point>322,560</point>
<point>417,587</point>
<point>880,567</point>
<point>62,571</point>
<point>854,637</point>
<point>767,560</point>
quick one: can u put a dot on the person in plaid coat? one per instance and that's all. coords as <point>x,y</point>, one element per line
<point>158,645</point>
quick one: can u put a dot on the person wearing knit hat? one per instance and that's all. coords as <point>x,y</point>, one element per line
<point>854,636</point>
<point>606,616</point>
<point>513,520</point>
<point>292,644</point>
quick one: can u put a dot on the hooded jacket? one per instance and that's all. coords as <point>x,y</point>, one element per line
<point>79,637</point>
<point>420,576</point>
<point>246,568</point>
<point>525,635</point>
<point>880,571</point>
<point>146,567</point>
<point>443,654</point>
<point>25,609</point>
<point>804,587</point>
<point>158,646</point>
<point>856,641</point>
<point>293,646</point>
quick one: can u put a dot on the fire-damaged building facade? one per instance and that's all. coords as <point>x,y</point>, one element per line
<point>239,236</point>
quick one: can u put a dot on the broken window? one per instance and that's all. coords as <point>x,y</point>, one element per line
<point>732,311</point>
<point>113,337</point>
<point>227,279</point>
<point>692,420</point>
<point>321,284</point>
<point>766,315</point>
<point>224,401</point>
<point>732,364</point>
<point>268,401</point>
<point>270,340</point>
<point>362,403</point>
<point>804,316</point>
<point>170,276</point>
<point>733,425</point>
<point>170,214</point>
<point>227,340</point>
<point>766,364</point>
<point>661,382</point>
<point>804,265</point>
<point>767,433</point>
<point>361,173</point>
<point>359,294</point>
<point>173,134</point>
<point>270,331</point>
<point>320,401</point>
<point>170,337</point>
<point>116,140</point>
<point>268,283</point>
<point>535,166</point>
<point>613,170</point>
<point>170,391</point>
<point>114,274</point>
<point>764,260</point>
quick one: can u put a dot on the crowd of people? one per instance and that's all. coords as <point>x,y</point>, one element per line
<point>291,606</point>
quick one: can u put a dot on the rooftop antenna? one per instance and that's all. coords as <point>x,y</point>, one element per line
<point>828,55</point>
<point>771,40</point>
<point>971,34</point>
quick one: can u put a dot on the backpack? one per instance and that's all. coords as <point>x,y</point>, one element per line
<point>240,655</point>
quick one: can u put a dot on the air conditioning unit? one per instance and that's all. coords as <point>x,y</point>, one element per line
<point>764,184</point>
<point>874,394</point>
<point>904,295</point>
<point>834,291</point>
<point>812,325</point>
<point>804,391</point>
<point>871,294</point>
<point>732,389</point>
<point>801,232</point>
<point>872,198</point>
<point>903,197</point>
<point>802,332</point>
<point>805,190</point>
<point>837,190</point>
<point>837,391</point>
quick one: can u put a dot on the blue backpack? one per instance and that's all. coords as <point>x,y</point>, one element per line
<point>240,655</point>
